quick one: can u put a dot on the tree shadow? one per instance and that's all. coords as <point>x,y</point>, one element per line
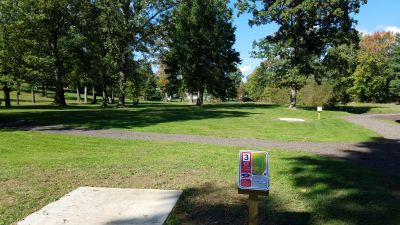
<point>345,194</point>
<point>54,107</point>
<point>349,109</point>
<point>199,205</point>
<point>381,154</point>
<point>242,106</point>
<point>115,118</point>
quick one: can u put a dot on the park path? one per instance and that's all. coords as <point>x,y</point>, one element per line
<point>382,154</point>
<point>375,123</point>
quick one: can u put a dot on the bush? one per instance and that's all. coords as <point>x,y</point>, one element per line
<point>316,95</point>
<point>278,95</point>
<point>394,88</point>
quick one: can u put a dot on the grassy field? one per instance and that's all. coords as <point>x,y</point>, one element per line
<point>37,169</point>
<point>227,120</point>
<point>372,108</point>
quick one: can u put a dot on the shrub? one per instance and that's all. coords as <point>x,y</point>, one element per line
<point>316,95</point>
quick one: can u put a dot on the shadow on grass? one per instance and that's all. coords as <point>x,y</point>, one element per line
<point>142,116</point>
<point>207,205</point>
<point>334,191</point>
<point>53,107</point>
<point>345,194</point>
<point>349,109</point>
<point>382,154</point>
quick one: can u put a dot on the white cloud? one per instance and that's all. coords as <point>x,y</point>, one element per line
<point>386,28</point>
<point>363,31</point>
<point>246,69</point>
<point>392,29</point>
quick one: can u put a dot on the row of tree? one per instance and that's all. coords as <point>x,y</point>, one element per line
<point>111,46</point>
<point>368,71</point>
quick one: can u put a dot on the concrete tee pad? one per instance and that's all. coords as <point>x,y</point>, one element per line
<point>107,206</point>
<point>291,119</point>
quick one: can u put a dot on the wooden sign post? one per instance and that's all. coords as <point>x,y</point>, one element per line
<point>319,110</point>
<point>253,179</point>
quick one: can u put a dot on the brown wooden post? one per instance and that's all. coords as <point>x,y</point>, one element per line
<point>253,203</point>
<point>253,209</point>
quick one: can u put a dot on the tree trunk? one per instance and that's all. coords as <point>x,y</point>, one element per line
<point>59,97</point>
<point>78,93</point>
<point>17,98</point>
<point>85,95</point>
<point>46,92</point>
<point>293,97</point>
<point>104,105</point>
<point>43,90</point>
<point>199,101</point>
<point>112,97</point>
<point>94,98</point>
<point>104,87</point>
<point>18,92</point>
<point>121,97</point>
<point>7,99</point>
<point>33,95</point>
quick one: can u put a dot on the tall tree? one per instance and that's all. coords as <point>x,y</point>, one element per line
<point>232,83</point>
<point>200,42</point>
<point>56,24</point>
<point>307,29</point>
<point>337,68</point>
<point>374,73</point>
<point>11,49</point>
<point>395,67</point>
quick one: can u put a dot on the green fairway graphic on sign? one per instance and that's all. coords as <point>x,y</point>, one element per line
<point>258,163</point>
<point>253,170</point>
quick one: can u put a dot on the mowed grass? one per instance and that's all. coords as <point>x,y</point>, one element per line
<point>37,169</point>
<point>226,120</point>
<point>372,108</point>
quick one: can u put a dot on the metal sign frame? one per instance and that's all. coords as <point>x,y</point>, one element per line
<point>242,174</point>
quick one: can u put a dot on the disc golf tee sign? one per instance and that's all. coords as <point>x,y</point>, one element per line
<point>253,171</point>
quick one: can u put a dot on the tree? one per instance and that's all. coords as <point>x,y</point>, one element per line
<point>307,29</point>
<point>394,88</point>
<point>243,93</point>
<point>374,73</point>
<point>200,43</point>
<point>259,80</point>
<point>11,48</point>
<point>395,58</point>
<point>394,85</point>
<point>232,84</point>
<point>56,25</point>
<point>337,68</point>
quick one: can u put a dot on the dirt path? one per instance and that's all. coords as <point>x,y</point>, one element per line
<point>375,123</point>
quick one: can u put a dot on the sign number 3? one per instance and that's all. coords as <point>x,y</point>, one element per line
<point>246,157</point>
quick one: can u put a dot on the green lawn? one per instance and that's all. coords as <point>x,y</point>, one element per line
<point>37,169</point>
<point>372,108</point>
<point>227,120</point>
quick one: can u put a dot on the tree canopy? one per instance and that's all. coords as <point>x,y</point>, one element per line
<point>307,30</point>
<point>200,46</point>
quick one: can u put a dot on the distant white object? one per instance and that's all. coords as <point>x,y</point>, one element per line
<point>319,108</point>
<point>291,119</point>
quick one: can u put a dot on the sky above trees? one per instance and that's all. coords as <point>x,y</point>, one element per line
<point>377,15</point>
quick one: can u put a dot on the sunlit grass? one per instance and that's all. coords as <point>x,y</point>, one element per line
<point>226,120</point>
<point>37,169</point>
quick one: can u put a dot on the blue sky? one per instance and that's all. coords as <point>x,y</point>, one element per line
<point>377,15</point>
